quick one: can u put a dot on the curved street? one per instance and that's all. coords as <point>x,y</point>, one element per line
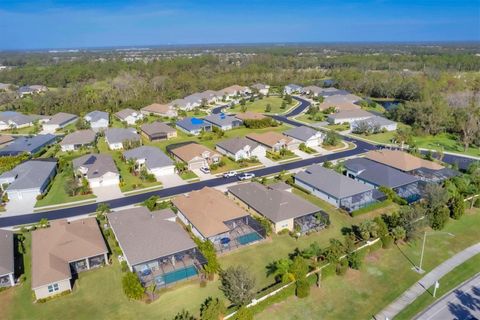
<point>361,147</point>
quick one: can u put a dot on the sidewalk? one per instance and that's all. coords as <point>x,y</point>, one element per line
<point>426,282</point>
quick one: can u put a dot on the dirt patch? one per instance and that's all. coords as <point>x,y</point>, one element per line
<point>373,257</point>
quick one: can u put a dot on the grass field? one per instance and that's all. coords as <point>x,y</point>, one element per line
<point>57,193</point>
<point>450,281</point>
<point>260,105</point>
<point>385,275</point>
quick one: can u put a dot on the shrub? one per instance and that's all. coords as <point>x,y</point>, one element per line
<point>124,266</point>
<point>342,267</point>
<point>132,287</point>
<point>243,314</point>
<point>387,242</point>
<point>302,288</point>
<point>355,260</point>
<point>476,204</point>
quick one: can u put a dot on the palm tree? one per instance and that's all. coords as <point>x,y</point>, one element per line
<point>281,270</point>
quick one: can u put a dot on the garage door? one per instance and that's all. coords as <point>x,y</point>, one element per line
<point>312,143</point>
<point>22,195</point>
<point>164,171</point>
<point>293,146</point>
<point>195,165</point>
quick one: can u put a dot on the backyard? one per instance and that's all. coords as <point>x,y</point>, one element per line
<point>260,105</point>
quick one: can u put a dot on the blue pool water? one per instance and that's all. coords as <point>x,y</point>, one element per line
<point>247,238</point>
<point>176,275</point>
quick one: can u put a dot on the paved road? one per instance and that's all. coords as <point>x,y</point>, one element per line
<point>426,282</point>
<point>461,303</point>
<point>362,147</point>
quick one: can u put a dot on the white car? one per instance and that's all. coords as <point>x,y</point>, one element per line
<point>205,170</point>
<point>229,174</point>
<point>246,176</point>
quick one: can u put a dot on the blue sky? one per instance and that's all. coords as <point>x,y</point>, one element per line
<point>30,24</point>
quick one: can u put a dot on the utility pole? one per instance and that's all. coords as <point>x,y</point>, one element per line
<point>423,250</point>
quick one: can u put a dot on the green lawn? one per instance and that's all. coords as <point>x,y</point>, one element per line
<point>385,275</point>
<point>57,193</point>
<point>130,181</point>
<point>188,175</point>
<point>260,105</point>
<point>232,165</point>
<point>450,281</point>
<point>338,127</point>
<point>26,130</point>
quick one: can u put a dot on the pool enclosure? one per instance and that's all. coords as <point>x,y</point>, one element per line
<point>243,231</point>
<point>311,222</point>
<point>165,271</point>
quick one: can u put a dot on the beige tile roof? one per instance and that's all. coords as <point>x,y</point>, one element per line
<point>401,160</point>
<point>232,89</point>
<point>249,115</point>
<point>207,209</point>
<point>158,108</point>
<point>340,106</point>
<point>192,150</point>
<point>269,138</point>
<point>63,242</point>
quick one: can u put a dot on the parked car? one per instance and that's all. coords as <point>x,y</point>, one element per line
<point>205,169</point>
<point>229,174</point>
<point>246,176</point>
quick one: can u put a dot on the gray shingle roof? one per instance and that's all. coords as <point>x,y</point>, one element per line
<point>379,174</point>
<point>331,182</point>
<point>190,123</point>
<point>61,118</point>
<point>122,114</point>
<point>6,252</point>
<point>349,114</point>
<point>154,157</point>
<point>156,128</point>
<point>235,144</point>
<point>276,205</point>
<point>119,135</point>
<point>28,144</point>
<point>80,137</point>
<point>293,86</point>
<point>302,133</point>
<point>145,236</point>
<point>222,119</point>
<point>96,115</point>
<point>30,174</point>
<point>376,120</point>
<point>15,117</point>
<point>96,164</point>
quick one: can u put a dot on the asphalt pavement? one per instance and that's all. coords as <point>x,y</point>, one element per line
<point>461,303</point>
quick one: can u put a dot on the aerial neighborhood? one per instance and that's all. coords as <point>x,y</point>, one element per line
<point>244,162</point>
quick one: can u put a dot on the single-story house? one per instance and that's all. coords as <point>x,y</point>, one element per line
<point>99,120</point>
<point>158,131</point>
<point>63,250</point>
<point>249,115</point>
<point>183,104</point>
<point>374,124</point>
<point>29,179</point>
<point>292,88</point>
<point>376,175</point>
<point>223,121</point>
<point>129,116</point>
<point>77,139</point>
<point>7,260</point>
<point>99,169</point>
<point>192,125</point>
<point>307,135</point>
<point>32,89</point>
<point>13,119</point>
<point>335,188</point>
<point>59,121</point>
<point>425,170</point>
<point>282,208</point>
<point>233,91</point>
<point>239,148</point>
<point>213,216</point>
<point>274,141</point>
<point>209,96</point>
<point>116,137</point>
<point>153,159</point>
<point>313,90</point>
<point>340,102</point>
<point>261,88</point>
<point>349,116</point>
<point>161,110</point>
<point>28,145</point>
<point>154,246</point>
<point>195,155</point>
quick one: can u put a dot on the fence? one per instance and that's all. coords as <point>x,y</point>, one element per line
<point>275,292</point>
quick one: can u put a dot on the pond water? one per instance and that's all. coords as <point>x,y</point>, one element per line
<point>390,104</point>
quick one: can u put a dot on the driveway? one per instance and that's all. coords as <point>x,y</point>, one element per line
<point>266,162</point>
<point>171,180</point>
<point>17,206</point>
<point>203,176</point>
<point>105,193</point>
<point>302,154</point>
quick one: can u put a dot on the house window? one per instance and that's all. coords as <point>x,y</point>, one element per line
<point>53,288</point>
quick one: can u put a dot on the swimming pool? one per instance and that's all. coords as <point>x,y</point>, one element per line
<point>247,238</point>
<point>176,275</point>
